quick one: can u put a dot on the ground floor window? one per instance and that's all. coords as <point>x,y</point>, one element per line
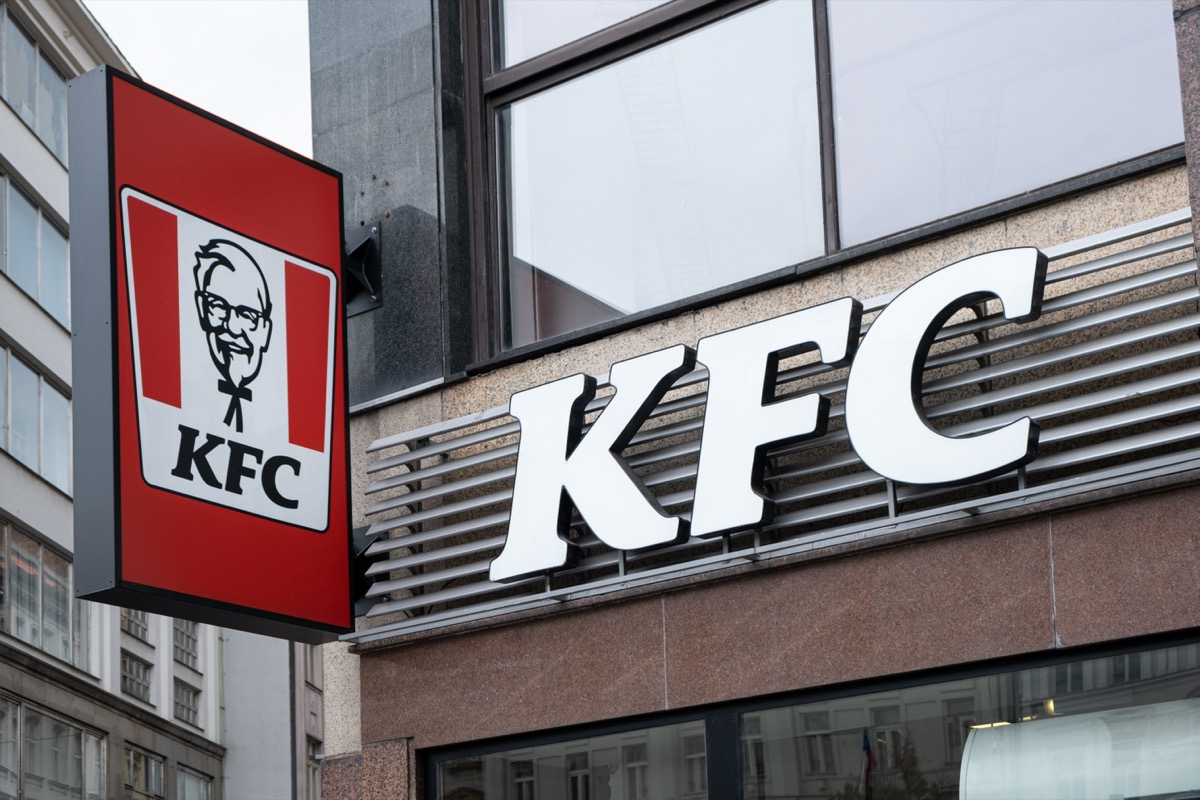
<point>42,755</point>
<point>1120,727</point>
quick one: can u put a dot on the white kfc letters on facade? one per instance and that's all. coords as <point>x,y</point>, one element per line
<point>560,467</point>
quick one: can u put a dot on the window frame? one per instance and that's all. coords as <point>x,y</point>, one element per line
<point>7,357</point>
<point>42,221</point>
<point>78,621</point>
<point>43,56</point>
<point>130,681</point>
<point>488,88</point>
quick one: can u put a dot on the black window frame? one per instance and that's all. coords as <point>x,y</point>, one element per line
<point>488,88</point>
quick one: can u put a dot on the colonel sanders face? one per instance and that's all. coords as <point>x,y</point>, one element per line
<point>235,314</point>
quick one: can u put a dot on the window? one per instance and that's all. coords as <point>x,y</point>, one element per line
<point>754,759</point>
<point>960,716</point>
<point>135,676</point>
<point>995,715</point>
<point>1068,678</point>
<point>44,756</point>
<point>889,736</point>
<point>136,624</point>
<point>579,777</point>
<point>522,780</point>
<point>312,769</point>
<point>1126,668</point>
<point>37,607</point>
<point>143,775</point>
<point>33,87</point>
<point>692,146</point>
<point>35,421</point>
<point>695,765</point>
<point>192,785</point>
<point>663,761</point>
<point>187,703</point>
<point>36,258</point>
<point>187,643</point>
<point>818,743</point>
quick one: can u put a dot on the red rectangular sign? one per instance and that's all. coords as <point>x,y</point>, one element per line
<point>209,368</point>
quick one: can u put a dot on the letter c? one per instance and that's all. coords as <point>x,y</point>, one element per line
<point>892,436</point>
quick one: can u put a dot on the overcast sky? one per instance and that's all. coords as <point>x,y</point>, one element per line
<point>244,60</point>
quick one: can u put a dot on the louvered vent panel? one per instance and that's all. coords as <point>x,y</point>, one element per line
<point>1109,372</point>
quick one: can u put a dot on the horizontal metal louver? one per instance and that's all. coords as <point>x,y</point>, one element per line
<point>1109,372</point>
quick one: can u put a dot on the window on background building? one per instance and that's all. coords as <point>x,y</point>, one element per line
<point>36,427</point>
<point>579,777</point>
<point>687,148</point>
<point>1068,678</point>
<point>187,703</point>
<point>187,643</point>
<point>1126,668</point>
<point>36,598</point>
<point>312,769</point>
<point>143,775</point>
<point>36,257</point>
<point>818,743</point>
<point>33,87</point>
<point>523,782</point>
<point>754,759</point>
<point>637,766</point>
<point>136,623</point>
<point>43,756</point>
<point>192,785</point>
<point>311,654</point>
<point>695,766</point>
<point>960,716</point>
<point>135,676</point>
<point>888,736</point>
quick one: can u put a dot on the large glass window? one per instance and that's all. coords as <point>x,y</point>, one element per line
<point>33,87</point>
<point>43,757</point>
<point>36,419</point>
<point>35,598</point>
<point>662,761</point>
<point>694,147</point>
<point>35,257</point>
<point>688,167</point>
<point>993,736</point>
<point>942,107</point>
<point>529,28</point>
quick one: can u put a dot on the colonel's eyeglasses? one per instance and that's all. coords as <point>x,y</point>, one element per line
<point>217,309</point>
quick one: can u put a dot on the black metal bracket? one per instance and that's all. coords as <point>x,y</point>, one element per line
<point>362,287</point>
<point>361,582</point>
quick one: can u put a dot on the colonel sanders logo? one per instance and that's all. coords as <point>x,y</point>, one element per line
<point>235,313</point>
<point>233,363</point>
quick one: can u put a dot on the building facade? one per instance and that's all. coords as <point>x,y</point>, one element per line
<point>97,701</point>
<point>678,418</point>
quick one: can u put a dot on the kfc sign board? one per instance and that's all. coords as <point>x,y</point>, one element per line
<point>209,392</point>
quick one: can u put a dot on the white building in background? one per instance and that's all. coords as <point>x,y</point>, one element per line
<point>95,701</point>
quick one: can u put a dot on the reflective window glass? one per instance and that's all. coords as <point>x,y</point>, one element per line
<point>532,27</point>
<point>25,601</point>
<point>10,749</point>
<point>20,57</point>
<point>21,229</point>
<point>1006,735</point>
<point>93,765</point>
<point>52,108</point>
<point>663,761</point>
<point>193,786</point>
<point>54,272</point>
<point>684,168</point>
<point>56,605</point>
<point>943,107</point>
<point>23,413</point>
<point>81,635</point>
<point>56,437</point>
